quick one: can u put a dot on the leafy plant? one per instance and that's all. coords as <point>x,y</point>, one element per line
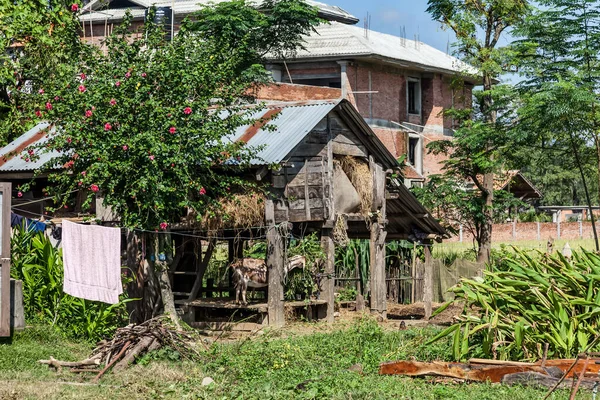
<point>39,265</point>
<point>510,313</point>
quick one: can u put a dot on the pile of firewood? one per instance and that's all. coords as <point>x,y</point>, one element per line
<point>129,343</point>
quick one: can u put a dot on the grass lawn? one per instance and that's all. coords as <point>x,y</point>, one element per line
<point>275,365</point>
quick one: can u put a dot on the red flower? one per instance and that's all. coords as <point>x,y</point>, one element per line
<point>74,7</point>
<point>38,113</point>
<point>125,148</point>
<point>187,111</point>
<point>69,140</point>
<point>83,173</point>
<point>48,106</point>
<point>88,113</point>
<point>107,126</point>
<point>94,188</point>
<point>56,98</point>
<point>20,194</point>
<point>41,91</point>
<point>69,164</point>
<point>143,74</point>
<point>82,76</point>
<point>128,74</point>
<point>163,225</point>
<point>172,130</point>
<point>79,183</point>
<point>118,84</point>
<point>113,102</point>
<point>202,191</point>
<point>81,88</point>
<point>30,151</point>
<point>151,157</point>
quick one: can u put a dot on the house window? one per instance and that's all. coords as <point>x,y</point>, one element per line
<point>412,150</point>
<point>414,96</point>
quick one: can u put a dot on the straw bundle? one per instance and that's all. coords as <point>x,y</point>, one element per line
<point>359,174</point>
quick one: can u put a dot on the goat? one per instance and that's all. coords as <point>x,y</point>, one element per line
<point>252,272</point>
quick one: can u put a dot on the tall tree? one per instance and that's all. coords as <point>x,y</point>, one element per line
<point>481,137</point>
<point>559,57</point>
<point>35,37</point>
<point>146,122</point>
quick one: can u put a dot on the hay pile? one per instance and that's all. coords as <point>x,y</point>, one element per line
<point>242,211</point>
<point>359,174</point>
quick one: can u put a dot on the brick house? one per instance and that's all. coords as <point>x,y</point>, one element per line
<point>399,86</point>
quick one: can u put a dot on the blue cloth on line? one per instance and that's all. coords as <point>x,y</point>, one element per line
<point>32,225</point>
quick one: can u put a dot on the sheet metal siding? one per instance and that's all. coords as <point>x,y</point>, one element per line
<point>341,40</point>
<point>292,124</point>
<point>17,163</point>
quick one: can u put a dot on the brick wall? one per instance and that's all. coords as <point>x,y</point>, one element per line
<point>288,92</point>
<point>389,103</point>
<point>506,233</point>
<point>395,140</point>
<point>432,164</point>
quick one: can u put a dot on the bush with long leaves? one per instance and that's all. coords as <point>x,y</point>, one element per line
<point>526,302</point>
<point>37,263</point>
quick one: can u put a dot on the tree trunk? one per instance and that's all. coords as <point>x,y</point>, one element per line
<point>485,236</point>
<point>161,268</point>
<point>144,285</point>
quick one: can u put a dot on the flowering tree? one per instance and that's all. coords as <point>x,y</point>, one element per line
<point>35,37</point>
<point>146,124</point>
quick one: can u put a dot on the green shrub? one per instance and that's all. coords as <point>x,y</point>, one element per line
<point>511,313</point>
<point>39,265</point>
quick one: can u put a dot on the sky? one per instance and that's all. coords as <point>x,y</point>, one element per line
<point>390,16</point>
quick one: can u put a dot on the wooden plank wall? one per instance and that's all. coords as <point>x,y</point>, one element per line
<point>305,184</point>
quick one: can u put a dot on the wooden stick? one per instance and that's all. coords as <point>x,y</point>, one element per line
<point>72,364</point>
<point>137,350</point>
<point>97,378</point>
<point>585,364</point>
<point>545,355</point>
<point>485,361</point>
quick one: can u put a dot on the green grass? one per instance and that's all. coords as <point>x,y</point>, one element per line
<point>269,366</point>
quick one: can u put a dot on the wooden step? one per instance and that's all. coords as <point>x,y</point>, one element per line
<point>181,293</point>
<point>227,326</point>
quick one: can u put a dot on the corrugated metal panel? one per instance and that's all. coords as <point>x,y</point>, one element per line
<point>291,125</point>
<point>340,40</point>
<point>188,6</point>
<point>16,162</point>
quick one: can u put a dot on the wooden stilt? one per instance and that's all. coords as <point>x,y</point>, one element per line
<point>377,267</point>
<point>329,280</point>
<point>275,268</point>
<point>428,282</point>
<point>377,243</point>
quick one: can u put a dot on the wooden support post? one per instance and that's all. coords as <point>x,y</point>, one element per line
<point>5,204</point>
<point>428,282</point>
<point>377,267</point>
<point>17,313</point>
<point>275,268</point>
<point>329,281</point>
<point>377,243</point>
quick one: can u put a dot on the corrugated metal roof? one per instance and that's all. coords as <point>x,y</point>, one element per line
<point>13,156</point>
<point>327,11</point>
<point>292,123</point>
<point>340,40</point>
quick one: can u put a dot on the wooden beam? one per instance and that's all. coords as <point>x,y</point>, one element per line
<point>328,282</point>
<point>5,190</point>
<point>275,268</point>
<point>428,282</point>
